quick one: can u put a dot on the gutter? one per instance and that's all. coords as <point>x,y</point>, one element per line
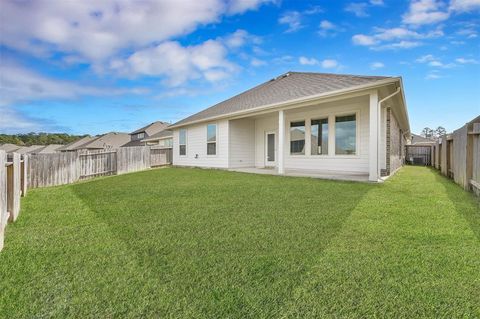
<point>379,108</point>
<point>291,102</point>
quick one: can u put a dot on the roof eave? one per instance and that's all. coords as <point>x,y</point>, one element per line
<point>295,101</point>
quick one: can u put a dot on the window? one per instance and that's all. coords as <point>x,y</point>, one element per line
<point>183,142</point>
<point>211,139</point>
<point>297,138</point>
<point>140,135</point>
<point>345,135</point>
<point>319,137</point>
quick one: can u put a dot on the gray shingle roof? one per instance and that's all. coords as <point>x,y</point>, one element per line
<point>152,128</point>
<point>75,144</point>
<point>112,140</point>
<point>9,147</point>
<point>159,135</point>
<point>286,87</point>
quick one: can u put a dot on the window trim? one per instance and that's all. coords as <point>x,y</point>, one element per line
<point>142,135</point>
<point>216,139</point>
<point>186,142</point>
<point>331,122</point>
<point>318,118</point>
<point>290,137</point>
<point>357,134</point>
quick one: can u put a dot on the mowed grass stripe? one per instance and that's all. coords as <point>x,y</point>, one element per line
<point>205,243</point>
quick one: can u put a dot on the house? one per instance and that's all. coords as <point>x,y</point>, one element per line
<point>109,141</point>
<point>307,124</point>
<point>145,132</point>
<point>30,149</point>
<point>163,139</point>
<point>73,146</point>
<point>420,140</point>
<point>10,148</point>
<point>48,149</point>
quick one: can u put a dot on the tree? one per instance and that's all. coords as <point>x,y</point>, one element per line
<point>428,132</point>
<point>440,131</point>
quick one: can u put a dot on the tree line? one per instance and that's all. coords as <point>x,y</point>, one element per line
<point>38,138</point>
<point>434,133</point>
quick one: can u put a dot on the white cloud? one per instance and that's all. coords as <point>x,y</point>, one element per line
<point>326,64</point>
<point>433,76</point>
<point>425,58</point>
<point>292,19</point>
<point>464,5</point>
<point>434,62</point>
<point>178,64</point>
<point>257,62</point>
<point>466,61</point>
<point>376,2</point>
<point>308,61</point>
<point>376,65</point>
<point>99,30</point>
<point>240,6</point>
<point>423,12</point>
<point>365,40</point>
<point>329,64</point>
<point>357,8</point>
<point>20,84</point>
<point>394,38</point>
<point>327,28</point>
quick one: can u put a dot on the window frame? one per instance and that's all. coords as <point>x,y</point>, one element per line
<point>357,133</point>
<point>180,144</point>
<point>210,142</point>
<point>319,118</point>
<point>304,120</point>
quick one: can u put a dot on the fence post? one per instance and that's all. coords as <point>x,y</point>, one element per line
<point>3,197</point>
<point>24,179</point>
<point>13,187</point>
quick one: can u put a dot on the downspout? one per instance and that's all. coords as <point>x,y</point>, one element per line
<point>379,107</point>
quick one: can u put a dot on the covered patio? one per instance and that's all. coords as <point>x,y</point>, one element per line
<point>333,175</point>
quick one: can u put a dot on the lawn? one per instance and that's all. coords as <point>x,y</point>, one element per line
<point>192,243</point>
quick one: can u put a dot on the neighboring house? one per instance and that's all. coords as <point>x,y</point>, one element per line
<point>145,132</point>
<point>9,148</point>
<point>308,123</point>
<point>75,145</point>
<point>163,139</point>
<point>30,149</point>
<point>420,140</point>
<point>48,149</point>
<point>109,141</point>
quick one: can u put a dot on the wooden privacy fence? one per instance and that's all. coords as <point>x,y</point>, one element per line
<point>418,155</point>
<point>457,155</point>
<point>69,167</point>
<point>13,185</point>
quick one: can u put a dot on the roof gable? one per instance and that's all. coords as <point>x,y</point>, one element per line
<point>287,87</point>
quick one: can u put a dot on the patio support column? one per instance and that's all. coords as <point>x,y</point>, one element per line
<point>281,141</point>
<point>373,137</point>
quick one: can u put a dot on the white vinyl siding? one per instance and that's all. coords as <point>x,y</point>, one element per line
<point>197,149</point>
<point>242,143</point>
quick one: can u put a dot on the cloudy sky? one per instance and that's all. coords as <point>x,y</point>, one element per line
<point>115,65</point>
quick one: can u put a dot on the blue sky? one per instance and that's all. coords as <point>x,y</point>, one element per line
<point>89,67</point>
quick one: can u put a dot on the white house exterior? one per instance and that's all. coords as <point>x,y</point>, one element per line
<point>312,123</point>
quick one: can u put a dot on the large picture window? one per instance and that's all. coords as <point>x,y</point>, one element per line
<point>319,137</point>
<point>297,138</point>
<point>183,142</point>
<point>211,139</point>
<point>346,135</point>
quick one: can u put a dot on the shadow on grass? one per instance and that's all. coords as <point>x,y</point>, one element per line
<point>222,243</point>
<point>466,204</point>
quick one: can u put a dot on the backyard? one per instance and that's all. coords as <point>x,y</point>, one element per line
<point>193,243</point>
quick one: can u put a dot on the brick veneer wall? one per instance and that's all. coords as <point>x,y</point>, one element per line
<point>395,145</point>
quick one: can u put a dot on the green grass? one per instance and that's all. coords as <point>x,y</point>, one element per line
<point>191,243</point>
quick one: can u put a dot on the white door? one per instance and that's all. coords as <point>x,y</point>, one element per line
<point>270,151</point>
